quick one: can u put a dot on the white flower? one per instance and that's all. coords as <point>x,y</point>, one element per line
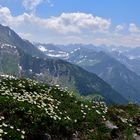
<point>98,112</point>
<point>130,124</point>
<point>1,131</point>
<point>75,120</point>
<point>11,127</point>
<point>4,124</point>
<point>2,118</point>
<point>22,137</point>
<point>23,132</point>
<point>5,133</point>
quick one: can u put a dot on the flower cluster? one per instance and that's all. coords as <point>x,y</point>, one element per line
<point>42,106</point>
<point>4,126</point>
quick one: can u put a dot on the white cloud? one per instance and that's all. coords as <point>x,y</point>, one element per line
<point>77,22</point>
<point>4,10</point>
<point>119,28</point>
<point>133,28</point>
<point>4,14</point>
<point>31,4</point>
<point>65,23</point>
<point>70,28</point>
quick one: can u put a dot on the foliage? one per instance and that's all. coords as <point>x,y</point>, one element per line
<point>32,110</point>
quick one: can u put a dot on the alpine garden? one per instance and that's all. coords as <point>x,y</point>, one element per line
<point>31,110</point>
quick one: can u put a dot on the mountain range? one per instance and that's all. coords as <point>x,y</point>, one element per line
<point>21,58</point>
<point>112,64</point>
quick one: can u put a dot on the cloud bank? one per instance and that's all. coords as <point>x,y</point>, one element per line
<point>70,28</point>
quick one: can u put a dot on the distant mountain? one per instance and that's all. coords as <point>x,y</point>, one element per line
<point>72,47</point>
<point>112,71</point>
<point>134,53</point>
<point>51,50</point>
<point>20,58</point>
<point>122,79</point>
<point>130,58</point>
<point>134,65</point>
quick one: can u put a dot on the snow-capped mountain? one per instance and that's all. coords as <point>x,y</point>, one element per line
<point>129,57</point>
<point>110,64</point>
<point>20,58</point>
<point>51,50</point>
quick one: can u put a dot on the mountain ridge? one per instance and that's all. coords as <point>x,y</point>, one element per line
<point>55,71</point>
<point>107,67</point>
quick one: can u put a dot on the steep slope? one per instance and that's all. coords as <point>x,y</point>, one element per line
<point>130,59</point>
<point>31,110</point>
<point>52,71</point>
<point>67,75</point>
<point>8,36</point>
<point>9,59</point>
<point>121,77</point>
<point>134,65</point>
<point>112,71</point>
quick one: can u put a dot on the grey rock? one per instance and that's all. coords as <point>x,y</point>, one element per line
<point>47,137</point>
<point>110,125</point>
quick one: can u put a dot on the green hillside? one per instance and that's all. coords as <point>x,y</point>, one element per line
<point>31,110</point>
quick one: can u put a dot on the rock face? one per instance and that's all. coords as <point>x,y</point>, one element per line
<point>136,137</point>
<point>115,132</point>
<point>111,125</point>
<point>74,136</point>
<point>47,137</point>
<point>9,60</point>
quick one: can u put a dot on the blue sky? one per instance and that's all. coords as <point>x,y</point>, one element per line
<point>120,11</point>
<point>110,20</point>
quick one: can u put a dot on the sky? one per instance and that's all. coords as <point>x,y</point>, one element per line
<point>108,22</point>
